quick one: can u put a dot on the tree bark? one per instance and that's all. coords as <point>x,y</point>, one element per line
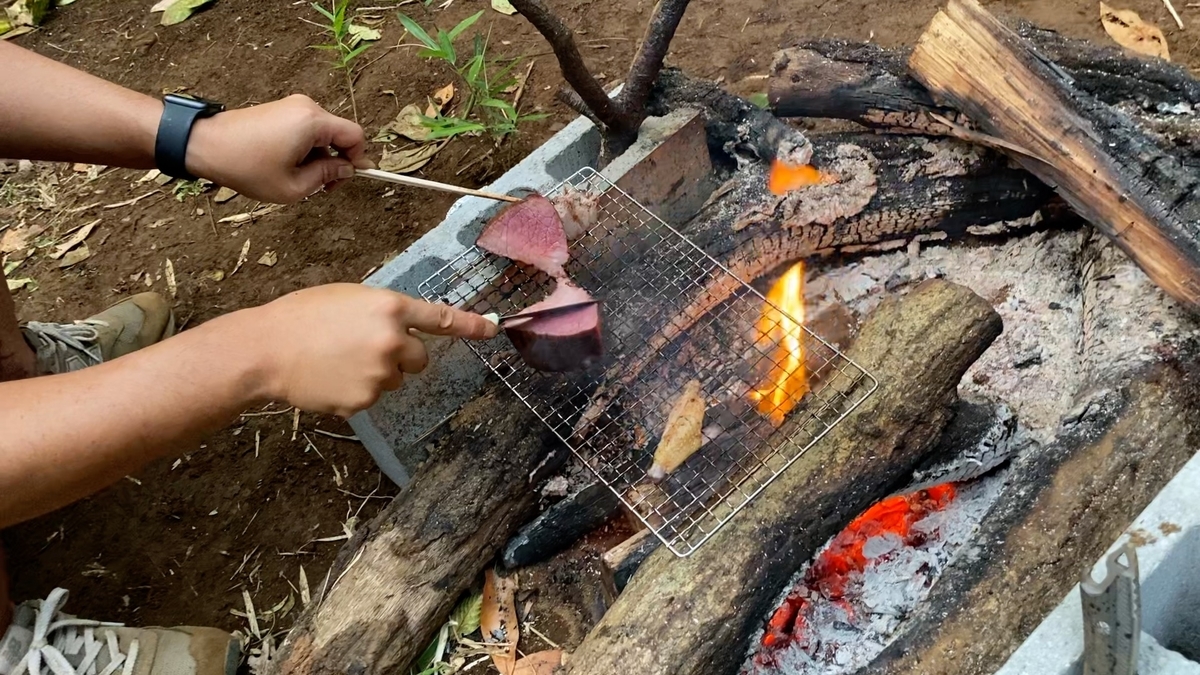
<point>693,616</point>
<point>396,582</point>
<point>1106,168</point>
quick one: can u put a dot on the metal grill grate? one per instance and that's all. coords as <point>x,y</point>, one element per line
<point>670,314</point>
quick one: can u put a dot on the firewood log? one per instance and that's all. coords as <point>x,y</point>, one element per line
<point>694,615</point>
<point>1109,170</point>
<point>396,583</point>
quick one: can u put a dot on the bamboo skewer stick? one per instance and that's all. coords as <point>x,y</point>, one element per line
<point>432,185</point>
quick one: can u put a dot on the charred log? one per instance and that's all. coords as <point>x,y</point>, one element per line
<point>1103,165</point>
<point>397,581</point>
<point>694,615</point>
<point>1067,503</point>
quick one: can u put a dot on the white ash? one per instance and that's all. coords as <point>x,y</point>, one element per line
<point>846,637</point>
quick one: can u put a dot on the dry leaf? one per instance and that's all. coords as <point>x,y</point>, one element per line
<point>78,255</point>
<point>179,10</point>
<point>241,258</point>
<point>1131,32</point>
<point>80,167</point>
<point>539,663</point>
<point>224,195</point>
<point>408,124</point>
<point>152,174</point>
<point>269,259</point>
<point>444,95</point>
<point>17,238</point>
<point>498,620</point>
<point>359,33</point>
<point>504,7</point>
<point>407,161</point>
<point>18,284</point>
<point>75,240</point>
<point>215,275</point>
<point>171,286</point>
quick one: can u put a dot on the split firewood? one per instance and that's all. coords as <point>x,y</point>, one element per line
<point>396,582</point>
<point>694,615</point>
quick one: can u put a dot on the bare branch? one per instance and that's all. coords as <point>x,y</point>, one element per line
<point>653,50</point>
<point>567,96</point>
<point>573,69</point>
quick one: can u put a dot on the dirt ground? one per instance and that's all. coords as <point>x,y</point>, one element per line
<point>178,542</point>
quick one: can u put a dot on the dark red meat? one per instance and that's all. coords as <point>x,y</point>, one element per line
<point>558,342</point>
<point>530,232</point>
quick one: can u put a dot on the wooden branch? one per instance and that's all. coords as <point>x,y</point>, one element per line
<point>1106,168</point>
<point>396,583</point>
<point>693,616</point>
<point>653,50</point>
<point>1066,504</point>
<point>574,70</point>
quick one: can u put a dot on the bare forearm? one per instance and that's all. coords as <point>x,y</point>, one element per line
<point>66,436</point>
<point>51,111</point>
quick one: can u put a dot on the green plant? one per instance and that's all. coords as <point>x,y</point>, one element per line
<point>343,43</point>
<point>484,110</point>
<point>186,189</point>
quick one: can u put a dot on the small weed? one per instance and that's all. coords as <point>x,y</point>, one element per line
<point>484,110</point>
<point>345,45</point>
<point>186,189</point>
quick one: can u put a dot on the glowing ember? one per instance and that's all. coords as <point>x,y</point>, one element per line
<point>889,520</point>
<point>787,381</point>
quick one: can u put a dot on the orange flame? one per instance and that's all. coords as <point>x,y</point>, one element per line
<point>785,177</point>
<point>787,381</point>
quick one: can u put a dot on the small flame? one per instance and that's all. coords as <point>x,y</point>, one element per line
<point>787,381</point>
<point>784,177</point>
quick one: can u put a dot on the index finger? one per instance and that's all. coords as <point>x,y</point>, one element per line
<point>347,138</point>
<point>446,320</point>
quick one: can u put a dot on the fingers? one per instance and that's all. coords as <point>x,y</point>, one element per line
<point>412,355</point>
<point>446,320</point>
<point>345,136</point>
<point>314,175</point>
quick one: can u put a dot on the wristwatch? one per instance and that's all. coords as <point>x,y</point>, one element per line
<point>174,129</point>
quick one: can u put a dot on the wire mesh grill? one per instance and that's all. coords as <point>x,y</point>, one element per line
<point>670,314</point>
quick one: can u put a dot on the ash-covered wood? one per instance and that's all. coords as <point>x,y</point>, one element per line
<point>1066,503</point>
<point>694,615</point>
<point>395,583</point>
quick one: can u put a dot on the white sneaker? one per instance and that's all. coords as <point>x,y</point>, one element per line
<point>43,641</point>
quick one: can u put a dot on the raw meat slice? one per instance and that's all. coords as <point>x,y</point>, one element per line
<point>530,232</point>
<point>558,342</point>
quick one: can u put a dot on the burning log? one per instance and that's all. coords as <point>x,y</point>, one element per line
<point>1110,171</point>
<point>697,613</point>
<point>396,582</point>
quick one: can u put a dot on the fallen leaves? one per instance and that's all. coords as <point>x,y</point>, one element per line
<point>225,194</point>
<point>408,161</point>
<point>169,269</point>
<point>360,33</point>
<point>258,212</point>
<point>177,11</point>
<point>498,619</point>
<point>408,124</point>
<point>1130,31</point>
<point>269,259</point>
<point>76,256</point>
<point>18,238</point>
<point>22,16</point>
<point>504,7</point>
<point>241,258</point>
<point>75,240</point>
<point>539,663</point>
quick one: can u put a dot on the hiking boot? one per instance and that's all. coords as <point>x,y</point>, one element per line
<point>126,327</point>
<point>44,641</point>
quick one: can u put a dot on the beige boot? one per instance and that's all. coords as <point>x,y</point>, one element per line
<point>127,326</point>
<point>43,640</point>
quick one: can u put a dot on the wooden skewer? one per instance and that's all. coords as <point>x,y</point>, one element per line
<point>432,185</point>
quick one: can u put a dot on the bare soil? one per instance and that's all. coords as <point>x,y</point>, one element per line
<point>178,542</point>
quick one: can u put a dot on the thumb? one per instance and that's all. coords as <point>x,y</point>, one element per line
<point>314,175</point>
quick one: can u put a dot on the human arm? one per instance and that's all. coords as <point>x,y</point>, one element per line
<point>275,152</point>
<point>330,349</point>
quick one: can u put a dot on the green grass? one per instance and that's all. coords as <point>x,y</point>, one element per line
<point>484,110</point>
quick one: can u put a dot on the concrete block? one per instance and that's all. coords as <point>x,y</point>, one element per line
<point>1168,550</point>
<point>668,170</point>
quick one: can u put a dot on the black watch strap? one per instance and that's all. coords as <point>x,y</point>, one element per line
<point>174,129</point>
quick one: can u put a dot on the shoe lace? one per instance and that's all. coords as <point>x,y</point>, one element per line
<point>63,341</point>
<point>54,640</point>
